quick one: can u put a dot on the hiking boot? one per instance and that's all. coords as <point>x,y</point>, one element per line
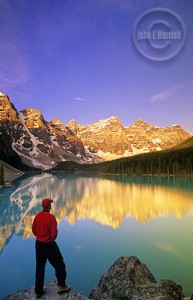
<point>63,289</point>
<point>39,294</point>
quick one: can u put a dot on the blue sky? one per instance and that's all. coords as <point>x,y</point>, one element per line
<point>77,59</point>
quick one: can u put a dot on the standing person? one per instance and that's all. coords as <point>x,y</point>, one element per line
<point>44,227</point>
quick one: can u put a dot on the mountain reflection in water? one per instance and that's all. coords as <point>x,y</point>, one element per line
<point>105,199</point>
<point>100,218</point>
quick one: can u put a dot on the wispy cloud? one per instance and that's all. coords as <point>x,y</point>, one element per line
<point>165,94</point>
<point>14,66</point>
<point>79,99</point>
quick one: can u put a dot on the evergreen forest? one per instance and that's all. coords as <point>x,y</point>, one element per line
<point>177,161</point>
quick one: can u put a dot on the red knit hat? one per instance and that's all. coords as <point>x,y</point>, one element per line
<point>46,202</point>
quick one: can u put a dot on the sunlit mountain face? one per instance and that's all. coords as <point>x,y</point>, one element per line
<point>26,136</point>
<point>107,200</point>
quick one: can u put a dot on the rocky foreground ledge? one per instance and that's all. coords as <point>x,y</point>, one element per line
<point>126,279</point>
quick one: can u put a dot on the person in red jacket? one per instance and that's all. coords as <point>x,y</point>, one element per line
<point>44,227</point>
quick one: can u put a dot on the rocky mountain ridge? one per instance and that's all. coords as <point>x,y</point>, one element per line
<point>110,139</point>
<point>27,137</point>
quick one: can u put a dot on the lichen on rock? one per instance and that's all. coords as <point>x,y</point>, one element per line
<point>129,279</point>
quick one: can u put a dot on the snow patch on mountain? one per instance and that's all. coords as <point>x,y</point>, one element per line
<point>42,144</point>
<point>34,140</point>
<point>136,151</point>
<point>157,141</point>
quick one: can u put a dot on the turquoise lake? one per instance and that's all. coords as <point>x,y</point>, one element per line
<point>100,218</point>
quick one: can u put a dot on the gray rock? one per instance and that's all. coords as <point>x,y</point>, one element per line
<point>126,279</point>
<point>51,293</point>
<point>129,279</point>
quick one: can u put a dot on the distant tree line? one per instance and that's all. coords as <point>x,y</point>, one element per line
<point>177,161</point>
<point>168,162</point>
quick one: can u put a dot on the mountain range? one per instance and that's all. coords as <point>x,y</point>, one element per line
<point>26,138</point>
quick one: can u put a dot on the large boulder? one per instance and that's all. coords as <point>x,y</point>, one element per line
<point>129,279</point>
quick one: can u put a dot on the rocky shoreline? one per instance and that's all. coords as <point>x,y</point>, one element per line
<point>126,279</point>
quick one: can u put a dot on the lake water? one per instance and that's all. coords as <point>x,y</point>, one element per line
<point>100,218</point>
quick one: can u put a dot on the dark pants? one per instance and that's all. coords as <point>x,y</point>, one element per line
<point>51,252</point>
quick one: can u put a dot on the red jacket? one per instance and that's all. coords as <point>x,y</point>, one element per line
<point>44,227</point>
